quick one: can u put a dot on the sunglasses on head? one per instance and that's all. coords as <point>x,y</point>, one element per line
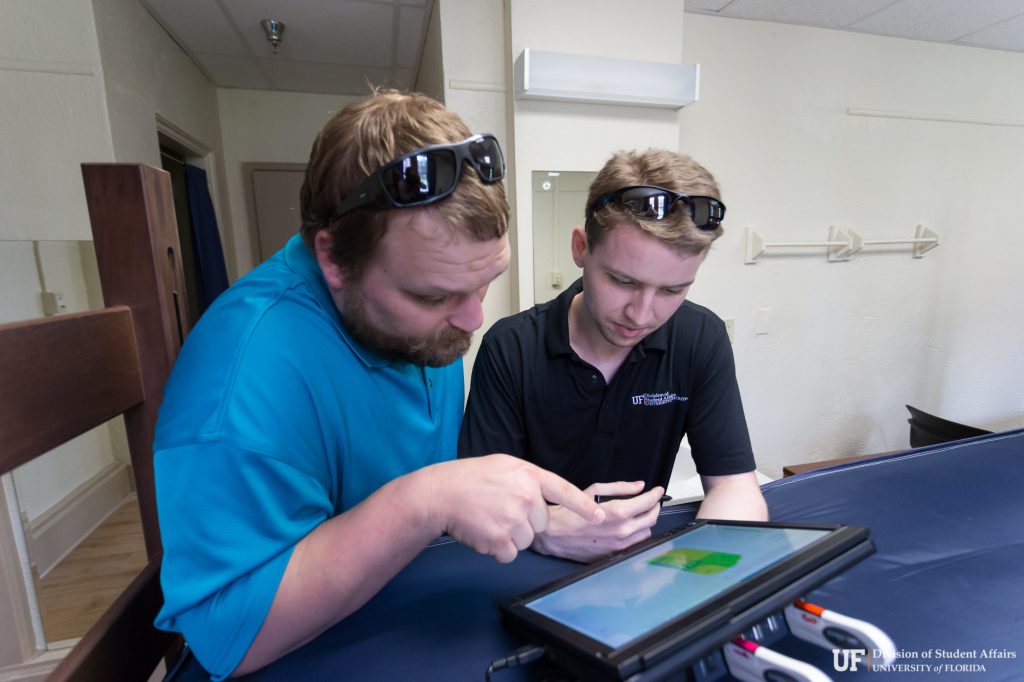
<point>426,175</point>
<point>654,203</point>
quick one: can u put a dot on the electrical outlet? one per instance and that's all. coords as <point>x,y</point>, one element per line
<point>763,321</point>
<point>53,303</point>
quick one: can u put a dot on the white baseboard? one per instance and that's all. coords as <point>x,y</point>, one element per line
<point>59,530</point>
<point>35,669</point>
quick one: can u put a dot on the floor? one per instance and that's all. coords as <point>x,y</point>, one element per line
<point>85,583</point>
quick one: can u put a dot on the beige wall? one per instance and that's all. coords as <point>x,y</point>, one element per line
<point>265,127</point>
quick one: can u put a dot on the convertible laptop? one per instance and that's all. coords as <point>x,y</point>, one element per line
<point>655,609</point>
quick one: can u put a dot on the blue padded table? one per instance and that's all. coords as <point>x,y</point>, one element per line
<point>947,581</point>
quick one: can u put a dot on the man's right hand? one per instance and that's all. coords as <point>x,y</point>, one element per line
<point>627,522</point>
<point>497,504</point>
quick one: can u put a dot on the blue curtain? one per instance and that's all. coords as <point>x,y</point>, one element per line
<point>211,273</point>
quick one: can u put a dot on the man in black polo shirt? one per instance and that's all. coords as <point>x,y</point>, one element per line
<point>601,384</point>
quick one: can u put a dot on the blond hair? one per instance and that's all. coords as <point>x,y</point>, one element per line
<point>660,168</point>
<point>360,139</point>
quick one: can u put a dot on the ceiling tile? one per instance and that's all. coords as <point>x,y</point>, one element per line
<point>234,72</point>
<point>1008,35</point>
<point>411,31</point>
<point>335,79</point>
<point>346,42</point>
<point>834,14</point>
<point>356,33</point>
<point>200,26</point>
<point>938,20</point>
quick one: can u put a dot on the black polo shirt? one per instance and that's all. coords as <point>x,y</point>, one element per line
<point>533,397</point>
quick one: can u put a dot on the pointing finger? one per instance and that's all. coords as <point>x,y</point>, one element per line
<point>559,491</point>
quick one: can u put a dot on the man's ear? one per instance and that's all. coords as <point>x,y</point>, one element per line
<point>578,244</point>
<point>332,271</point>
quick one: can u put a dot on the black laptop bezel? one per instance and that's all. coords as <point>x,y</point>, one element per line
<point>693,633</point>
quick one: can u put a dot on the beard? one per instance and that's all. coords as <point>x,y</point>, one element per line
<point>437,350</point>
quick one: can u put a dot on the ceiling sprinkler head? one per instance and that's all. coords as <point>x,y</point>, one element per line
<point>274,30</point>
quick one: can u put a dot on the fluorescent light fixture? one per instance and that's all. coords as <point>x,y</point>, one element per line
<point>602,80</point>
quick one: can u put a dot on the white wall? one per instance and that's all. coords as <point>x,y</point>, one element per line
<point>147,75</point>
<point>82,82</point>
<point>53,91</point>
<point>65,267</point>
<point>474,74</point>
<point>53,119</point>
<point>267,127</point>
<point>149,79</point>
<point>43,482</point>
<point>850,343</point>
<point>581,137</point>
<point>430,77</point>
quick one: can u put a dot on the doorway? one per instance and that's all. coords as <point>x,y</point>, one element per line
<point>173,158</point>
<point>272,195</point>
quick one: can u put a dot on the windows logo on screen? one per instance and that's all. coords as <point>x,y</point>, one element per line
<point>697,561</point>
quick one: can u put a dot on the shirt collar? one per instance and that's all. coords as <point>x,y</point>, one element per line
<point>557,337</point>
<point>302,261</point>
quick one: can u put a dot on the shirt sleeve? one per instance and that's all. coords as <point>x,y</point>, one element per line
<point>716,426</point>
<point>230,518</point>
<point>493,421</point>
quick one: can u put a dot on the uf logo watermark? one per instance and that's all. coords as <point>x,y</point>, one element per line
<point>847,659</point>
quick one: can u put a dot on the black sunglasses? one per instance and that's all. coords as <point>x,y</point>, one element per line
<point>426,175</point>
<point>654,203</point>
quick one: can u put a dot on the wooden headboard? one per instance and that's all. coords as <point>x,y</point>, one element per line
<point>62,376</point>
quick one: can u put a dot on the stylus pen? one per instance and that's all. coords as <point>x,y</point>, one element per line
<point>608,498</point>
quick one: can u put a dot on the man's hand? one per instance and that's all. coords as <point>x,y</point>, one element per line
<point>497,504</point>
<point>626,523</point>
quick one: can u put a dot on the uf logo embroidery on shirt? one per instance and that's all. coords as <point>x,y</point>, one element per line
<point>655,399</point>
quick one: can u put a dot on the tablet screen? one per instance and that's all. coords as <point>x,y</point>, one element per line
<point>635,596</point>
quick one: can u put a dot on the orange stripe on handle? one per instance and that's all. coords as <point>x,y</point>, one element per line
<point>809,607</point>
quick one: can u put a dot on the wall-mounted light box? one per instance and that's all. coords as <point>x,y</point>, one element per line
<point>602,80</point>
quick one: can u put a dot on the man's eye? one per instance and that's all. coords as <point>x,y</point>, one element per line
<point>623,282</point>
<point>431,300</point>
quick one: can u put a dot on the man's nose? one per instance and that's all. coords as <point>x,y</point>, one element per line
<point>469,315</point>
<point>640,310</point>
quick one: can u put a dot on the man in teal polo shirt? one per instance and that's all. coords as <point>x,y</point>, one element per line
<point>303,453</point>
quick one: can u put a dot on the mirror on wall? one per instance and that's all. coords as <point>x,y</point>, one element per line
<point>559,201</point>
<point>74,508</point>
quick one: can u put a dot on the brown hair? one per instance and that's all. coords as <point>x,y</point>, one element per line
<point>364,136</point>
<point>660,168</point>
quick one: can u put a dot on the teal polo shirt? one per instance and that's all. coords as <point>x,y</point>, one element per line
<point>274,420</point>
